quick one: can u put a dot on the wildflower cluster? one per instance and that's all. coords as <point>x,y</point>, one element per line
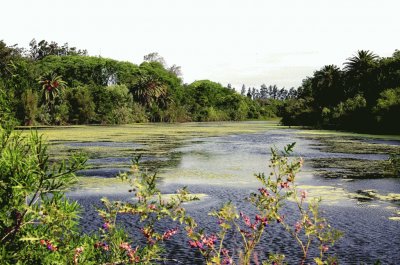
<point>277,187</point>
<point>150,207</point>
<point>102,245</point>
<point>131,252</point>
<point>77,253</point>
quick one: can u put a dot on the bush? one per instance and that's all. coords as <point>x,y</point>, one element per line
<point>35,217</point>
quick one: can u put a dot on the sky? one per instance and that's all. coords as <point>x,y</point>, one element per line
<point>249,42</point>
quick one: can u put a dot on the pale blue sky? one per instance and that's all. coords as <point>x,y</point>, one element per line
<point>228,41</point>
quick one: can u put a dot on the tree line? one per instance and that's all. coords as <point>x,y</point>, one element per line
<point>52,84</point>
<point>364,95</point>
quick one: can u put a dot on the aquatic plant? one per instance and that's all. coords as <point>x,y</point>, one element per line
<point>394,164</point>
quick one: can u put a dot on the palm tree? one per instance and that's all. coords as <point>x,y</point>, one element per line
<point>51,88</point>
<point>363,60</point>
<point>360,74</point>
<point>149,89</point>
<point>327,86</point>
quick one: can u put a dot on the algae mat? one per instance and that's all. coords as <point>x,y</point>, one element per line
<point>111,148</point>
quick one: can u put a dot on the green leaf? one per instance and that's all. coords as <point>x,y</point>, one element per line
<point>29,239</point>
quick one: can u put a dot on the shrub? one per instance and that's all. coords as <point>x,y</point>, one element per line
<point>35,217</point>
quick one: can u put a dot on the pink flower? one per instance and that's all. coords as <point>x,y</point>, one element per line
<point>106,226</point>
<point>196,244</point>
<point>209,241</point>
<point>192,244</point>
<point>125,246</point>
<point>264,192</point>
<point>284,185</point>
<point>189,230</point>
<point>169,233</point>
<point>105,246</point>
<point>246,234</point>
<point>297,227</point>
<point>246,219</point>
<point>304,194</point>
<point>102,245</point>
<point>263,220</point>
<point>51,247</point>
<point>280,219</point>
<point>78,251</point>
<point>224,252</point>
<point>227,260</point>
<point>200,245</point>
<point>324,248</point>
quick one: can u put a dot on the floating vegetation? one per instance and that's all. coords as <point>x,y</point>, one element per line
<point>155,139</point>
<point>350,168</point>
<point>354,143</point>
<point>330,133</point>
<point>329,194</point>
<point>354,156</point>
<point>199,196</point>
<point>110,148</point>
<point>368,195</point>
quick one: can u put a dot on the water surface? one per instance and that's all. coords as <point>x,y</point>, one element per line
<point>222,164</point>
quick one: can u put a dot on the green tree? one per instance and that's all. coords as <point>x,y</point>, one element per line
<point>30,102</point>
<point>361,75</point>
<point>154,57</point>
<point>149,89</point>
<point>387,110</point>
<point>350,114</point>
<point>327,87</point>
<point>52,85</point>
<point>81,105</point>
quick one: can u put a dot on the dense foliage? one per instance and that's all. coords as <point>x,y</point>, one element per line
<point>363,96</point>
<point>53,84</point>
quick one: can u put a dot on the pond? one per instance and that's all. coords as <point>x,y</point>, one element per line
<point>348,171</point>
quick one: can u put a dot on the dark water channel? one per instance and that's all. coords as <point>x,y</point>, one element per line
<point>223,167</point>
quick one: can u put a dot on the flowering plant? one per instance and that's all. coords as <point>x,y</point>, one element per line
<point>277,187</point>
<point>150,207</point>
